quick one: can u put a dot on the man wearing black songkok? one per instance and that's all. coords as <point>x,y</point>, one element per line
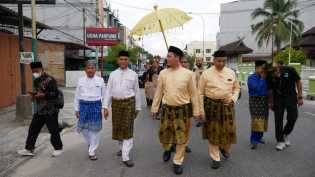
<point>177,88</point>
<point>46,112</point>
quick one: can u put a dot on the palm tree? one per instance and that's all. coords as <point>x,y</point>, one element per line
<point>277,18</point>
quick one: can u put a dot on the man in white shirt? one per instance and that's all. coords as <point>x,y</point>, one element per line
<point>89,96</point>
<point>123,94</point>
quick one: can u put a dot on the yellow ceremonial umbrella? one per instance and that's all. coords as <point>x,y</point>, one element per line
<point>160,20</point>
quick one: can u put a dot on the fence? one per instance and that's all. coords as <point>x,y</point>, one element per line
<point>244,70</point>
<point>305,75</point>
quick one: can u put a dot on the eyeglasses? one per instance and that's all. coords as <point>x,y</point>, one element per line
<point>184,61</point>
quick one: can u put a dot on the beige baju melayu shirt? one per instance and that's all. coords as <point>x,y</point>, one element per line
<point>218,85</point>
<point>198,73</point>
<point>176,87</point>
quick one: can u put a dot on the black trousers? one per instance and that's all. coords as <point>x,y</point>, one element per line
<point>37,124</point>
<point>282,104</point>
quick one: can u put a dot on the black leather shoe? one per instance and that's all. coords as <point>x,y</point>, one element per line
<point>166,156</point>
<point>253,146</point>
<point>215,164</point>
<point>128,163</point>
<point>188,150</point>
<point>225,154</point>
<point>119,153</point>
<point>178,169</point>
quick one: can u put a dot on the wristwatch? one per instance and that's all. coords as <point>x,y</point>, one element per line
<point>300,97</point>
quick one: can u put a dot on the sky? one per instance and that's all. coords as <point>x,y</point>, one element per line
<point>131,11</point>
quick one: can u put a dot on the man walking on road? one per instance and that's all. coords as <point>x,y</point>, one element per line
<point>284,84</point>
<point>258,103</point>
<point>89,96</point>
<point>177,88</point>
<point>123,94</point>
<point>198,72</point>
<point>46,111</point>
<point>219,90</point>
<point>185,64</point>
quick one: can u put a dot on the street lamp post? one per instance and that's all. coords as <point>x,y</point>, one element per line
<point>290,43</point>
<point>203,32</point>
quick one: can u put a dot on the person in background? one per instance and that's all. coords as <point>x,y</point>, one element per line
<point>123,94</point>
<point>258,103</point>
<point>185,64</point>
<point>151,80</point>
<point>286,88</point>
<point>218,89</point>
<point>177,88</point>
<point>198,72</point>
<point>46,111</point>
<point>147,82</point>
<point>158,61</point>
<point>89,96</point>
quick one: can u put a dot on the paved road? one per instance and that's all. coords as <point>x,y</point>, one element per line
<point>296,161</point>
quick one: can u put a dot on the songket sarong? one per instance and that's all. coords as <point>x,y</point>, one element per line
<point>219,126</point>
<point>123,115</point>
<point>90,115</point>
<point>174,123</point>
<point>259,111</point>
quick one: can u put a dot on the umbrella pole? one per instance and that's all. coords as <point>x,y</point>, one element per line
<point>163,32</point>
<point>161,26</point>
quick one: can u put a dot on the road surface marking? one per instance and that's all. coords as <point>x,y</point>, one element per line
<point>309,113</point>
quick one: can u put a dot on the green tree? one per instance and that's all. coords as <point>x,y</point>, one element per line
<point>275,19</point>
<point>191,60</point>
<point>297,56</point>
<point>113,52</point>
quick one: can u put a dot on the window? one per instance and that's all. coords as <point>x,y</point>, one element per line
<point>198,51</point>
<point>208,58</point>
<point>208,50</point>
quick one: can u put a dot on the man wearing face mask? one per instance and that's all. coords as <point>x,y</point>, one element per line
<point>46,111</point>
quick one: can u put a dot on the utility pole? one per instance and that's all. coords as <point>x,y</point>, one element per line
<point>272,52</point>
<point>203,33</point>
<point>84,37</point>
<point>290,43</point>
<point>21,46</point>
<point>34,31</point>
<point>23,101</point>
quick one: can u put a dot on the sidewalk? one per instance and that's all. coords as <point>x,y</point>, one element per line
<point>13,133</point>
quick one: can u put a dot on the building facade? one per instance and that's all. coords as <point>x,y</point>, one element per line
<point>236,21</point>
<point>195,48</point>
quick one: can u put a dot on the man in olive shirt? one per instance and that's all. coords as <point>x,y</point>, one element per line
<point>176,86</point>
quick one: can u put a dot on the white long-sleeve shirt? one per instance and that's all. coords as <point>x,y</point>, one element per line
<point>89,89</point>
<point>123,84</point>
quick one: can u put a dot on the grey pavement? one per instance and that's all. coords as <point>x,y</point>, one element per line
<point>13,133</point>
<point>295,161</point>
